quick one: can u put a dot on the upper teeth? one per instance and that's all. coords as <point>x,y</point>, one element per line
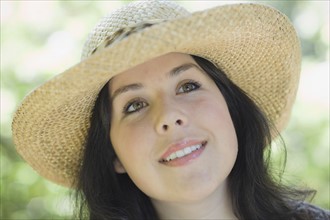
<point>180,153</point>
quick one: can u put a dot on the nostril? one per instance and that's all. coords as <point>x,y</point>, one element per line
<point>165,127</point>
<point>178,122</point>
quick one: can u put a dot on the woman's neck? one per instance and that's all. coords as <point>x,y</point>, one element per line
<point>215,206</point>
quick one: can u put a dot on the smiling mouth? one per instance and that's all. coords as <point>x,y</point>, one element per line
<point>185,152</point>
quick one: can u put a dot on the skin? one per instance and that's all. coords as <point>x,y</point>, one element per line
<point>166,109</point>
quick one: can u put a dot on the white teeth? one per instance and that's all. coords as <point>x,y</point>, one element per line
<point>187,150</point>
<point>183,152</point>
<point>172,156</point>
<point>179,153</point>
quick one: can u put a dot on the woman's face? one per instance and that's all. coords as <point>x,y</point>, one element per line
<point>171,129</point>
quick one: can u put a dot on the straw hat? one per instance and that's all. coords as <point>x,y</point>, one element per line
<point>255,45</point>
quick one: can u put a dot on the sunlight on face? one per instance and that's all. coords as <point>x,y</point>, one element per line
<point>171,129</point>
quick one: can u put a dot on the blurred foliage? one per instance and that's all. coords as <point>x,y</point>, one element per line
<point>42,38</point>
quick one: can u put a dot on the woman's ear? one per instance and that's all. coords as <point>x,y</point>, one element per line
<point>119,168</point>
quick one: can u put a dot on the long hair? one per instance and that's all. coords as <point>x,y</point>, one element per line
<point>255,193</point>
<point>104,194</point>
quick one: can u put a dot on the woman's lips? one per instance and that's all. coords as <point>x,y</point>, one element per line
<point>182,153</point>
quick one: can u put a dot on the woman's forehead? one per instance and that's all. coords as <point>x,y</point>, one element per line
<point>170,64</point>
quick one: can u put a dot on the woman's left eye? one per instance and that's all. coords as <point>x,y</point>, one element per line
<point>189,87</point>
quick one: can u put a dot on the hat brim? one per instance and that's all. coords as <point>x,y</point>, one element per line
<point>256,46</point>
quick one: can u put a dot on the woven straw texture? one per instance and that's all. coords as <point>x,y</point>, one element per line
<point>256,46</point>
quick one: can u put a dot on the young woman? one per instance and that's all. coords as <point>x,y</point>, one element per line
<point>170,116</point>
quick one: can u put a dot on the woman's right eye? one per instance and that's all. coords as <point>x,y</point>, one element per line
<point>134,106</point>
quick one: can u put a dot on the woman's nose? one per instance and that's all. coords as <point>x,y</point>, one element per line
<point>165,126</point>
<point>169,118</point>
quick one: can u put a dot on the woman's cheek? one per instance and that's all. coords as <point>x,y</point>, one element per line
<point>130,137</point>
<point>213,113</point>
<point>207,106</point>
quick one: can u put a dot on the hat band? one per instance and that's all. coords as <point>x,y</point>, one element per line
<point>124,32</point>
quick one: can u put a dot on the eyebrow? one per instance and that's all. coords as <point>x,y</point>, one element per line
<point>135,86</point>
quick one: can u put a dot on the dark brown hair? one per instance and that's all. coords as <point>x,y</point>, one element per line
<point>104,194</point>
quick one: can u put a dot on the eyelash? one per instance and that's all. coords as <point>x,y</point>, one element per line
<point>131,103</point>
<point>195,85</point>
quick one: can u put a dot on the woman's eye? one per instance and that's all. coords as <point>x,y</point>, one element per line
<point>134,106</point>
<point>188,87</point>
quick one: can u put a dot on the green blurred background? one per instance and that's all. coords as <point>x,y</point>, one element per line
<point>42,38</point>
